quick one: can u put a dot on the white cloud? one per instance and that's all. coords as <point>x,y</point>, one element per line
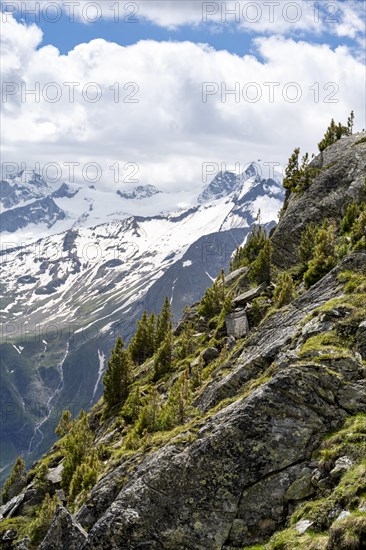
<point>170,132</point>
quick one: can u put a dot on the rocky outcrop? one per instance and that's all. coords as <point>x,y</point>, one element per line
<point>228,488</point>
<point>233,486</point>
<point>64,532</point>
<point>340,181</point>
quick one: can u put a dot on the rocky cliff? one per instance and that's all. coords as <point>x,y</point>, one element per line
<point>271,449</point>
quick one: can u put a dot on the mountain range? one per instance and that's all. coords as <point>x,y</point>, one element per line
<point>67,295</point>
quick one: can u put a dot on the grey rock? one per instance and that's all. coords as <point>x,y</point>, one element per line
<point>210,354</point>
<point>11,507</point>
<point>342,465</point>
<point>250,295</point>
<point>302,526</point>
<point>54,475</point>
<point>243,462</point>
<point>235,275</point>
<point>237,324</point>
<point>344,514</point>
<point>101,497</point>
<point>301,488</point>
<point>24,544</point>
<point>64,532</point>
<point>340,182</point>
<point>229,342</point>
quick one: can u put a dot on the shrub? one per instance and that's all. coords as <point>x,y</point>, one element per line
<point>261,267</point>
<point>178,405</point>
<point>324,255</point>
<point>16,480</point>
<point>213,299</point>
<point>285,290</point>
<point>40,526</point>
<point>245,255</point>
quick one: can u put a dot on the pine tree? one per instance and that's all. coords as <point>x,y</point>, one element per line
<point>246,254</point>
<point>196,373</point>
<point>324,254</point>
<point>76,446</point>
<point>292,171</point>
<point>65,424</point>
<point>187,345</point>
<point>15,481</point>
<point>151,334</point>
<point>261,267</point>
<point>142,344</point>
<point>132,406</point>
<point>214,298</point>
<point>334,132</point>
<point>350,123</point>
<point>163,357</point>
<point>148,420</point>
<point>118,376</point>
<point>178,406</point>
<point>306,247</point>
<point>163,323</point>
<point>285,290</point>
<point>40,525</point>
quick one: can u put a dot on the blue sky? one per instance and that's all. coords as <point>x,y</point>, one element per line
<point>68,31</point>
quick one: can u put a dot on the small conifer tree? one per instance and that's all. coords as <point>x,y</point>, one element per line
<point>163,323</point>
<point>163,357</point>
<point>118,376</point>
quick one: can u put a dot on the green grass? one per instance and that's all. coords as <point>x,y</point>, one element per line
<point>362,140</point>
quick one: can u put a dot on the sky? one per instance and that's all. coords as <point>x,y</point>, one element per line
<point>168,92</point>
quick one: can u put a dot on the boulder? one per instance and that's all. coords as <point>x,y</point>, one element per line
<point>302,526</point>
<point>210,354</point>
<point>361,339</point>
<point>344,514</point>
<point>64,532</point>
<point>9,509</point>
<point>250,295</point>
<point>342,465</point>
<point>237,325</point>
<point>55,474</point>
<point>235,275</point>
<point>301,488</point>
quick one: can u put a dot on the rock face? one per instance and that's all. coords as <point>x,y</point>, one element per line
<point>63,533</point>
<point>340,181</point>
<point>227,489</point>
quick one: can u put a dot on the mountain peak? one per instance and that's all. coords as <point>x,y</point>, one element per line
<point>140,192</point>
<point>223,184</point>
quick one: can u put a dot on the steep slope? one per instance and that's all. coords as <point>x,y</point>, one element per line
<point>257,425</point>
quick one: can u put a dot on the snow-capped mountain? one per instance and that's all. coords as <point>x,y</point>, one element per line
<point>22,188</point>
<point>65,297</point>
<point>34,209</point>
<point>222,185</point>
<point>140,192</point>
